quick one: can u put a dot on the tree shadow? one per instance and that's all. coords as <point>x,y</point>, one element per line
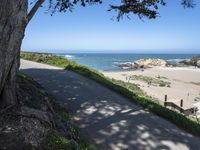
<point>109,119</point>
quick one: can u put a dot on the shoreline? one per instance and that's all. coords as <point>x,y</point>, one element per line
<point>189,68</point>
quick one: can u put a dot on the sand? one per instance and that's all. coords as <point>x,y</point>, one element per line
<point>181,82</point>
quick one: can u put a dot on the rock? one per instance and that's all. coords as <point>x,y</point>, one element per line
<point>144,63</point>
<point>43,116</point>
<point>148,63</point>
<point>124,65</point>
<point>198,64</point>
<point>195,61</point>
<point>186,62</point>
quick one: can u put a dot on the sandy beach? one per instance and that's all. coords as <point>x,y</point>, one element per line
<point>184,82</point>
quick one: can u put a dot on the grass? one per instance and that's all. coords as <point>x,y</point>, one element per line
<point>43,58</point>
<point>56,141</point>
<point>195,83</point>
<point>162,77</point>
<point>134,88</point>
<point>155,81</point>
<point>130,91</point>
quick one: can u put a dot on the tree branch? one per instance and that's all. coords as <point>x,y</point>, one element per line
<point>5,109</point>
<point>34,9</point>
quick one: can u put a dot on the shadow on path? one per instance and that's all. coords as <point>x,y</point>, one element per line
<point>108,119</point>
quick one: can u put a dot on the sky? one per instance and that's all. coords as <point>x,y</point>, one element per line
<point>94,29</point>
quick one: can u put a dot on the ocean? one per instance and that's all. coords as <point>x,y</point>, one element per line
<point>106,62</point>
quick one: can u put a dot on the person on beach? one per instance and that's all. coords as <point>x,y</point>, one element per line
<point>149,83</point>
<point>129,78</point>
<point>142,68</point>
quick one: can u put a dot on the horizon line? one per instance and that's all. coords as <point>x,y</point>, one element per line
<point>107,52</point>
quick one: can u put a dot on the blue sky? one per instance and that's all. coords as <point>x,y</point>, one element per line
<point>93,29</point>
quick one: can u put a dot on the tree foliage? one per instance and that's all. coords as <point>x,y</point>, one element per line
<point>142,8</point>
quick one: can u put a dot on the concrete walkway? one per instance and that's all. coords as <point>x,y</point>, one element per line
<point>106,118</point>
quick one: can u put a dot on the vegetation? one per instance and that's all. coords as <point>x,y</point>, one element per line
<point>195,83</point>
<point>32,95</point>
<point>154,81</point>
<point>45,58</point>
<point>56,141</point>
<point>134,93</point>
<point>134,88</point>
<point>161,77</point>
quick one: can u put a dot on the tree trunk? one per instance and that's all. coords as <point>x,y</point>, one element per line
<point>13,20</point>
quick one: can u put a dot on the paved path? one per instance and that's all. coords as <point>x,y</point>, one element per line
<point>106,118</point>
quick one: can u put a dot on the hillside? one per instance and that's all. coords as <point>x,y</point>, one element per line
<point>37,122</point>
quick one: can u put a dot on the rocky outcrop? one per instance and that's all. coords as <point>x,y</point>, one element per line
<point>187,62</point>
<point>195,61</point>
<point>147,63</point>
<point>144,63</point>
<point>123,65</point>
<point>198,64</point>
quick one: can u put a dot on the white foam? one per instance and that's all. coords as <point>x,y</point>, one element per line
<point>177,60</point>
<point>69,56</point>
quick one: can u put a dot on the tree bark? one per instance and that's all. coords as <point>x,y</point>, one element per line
<point>13,20</point>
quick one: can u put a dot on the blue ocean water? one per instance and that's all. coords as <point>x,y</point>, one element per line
<point>106,62</point>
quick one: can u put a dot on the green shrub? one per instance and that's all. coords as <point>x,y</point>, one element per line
<point>47,59</point>
<point>154,81</point>
<point>162,84</point>
<point>58,142</point>
<point>195,83</point>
